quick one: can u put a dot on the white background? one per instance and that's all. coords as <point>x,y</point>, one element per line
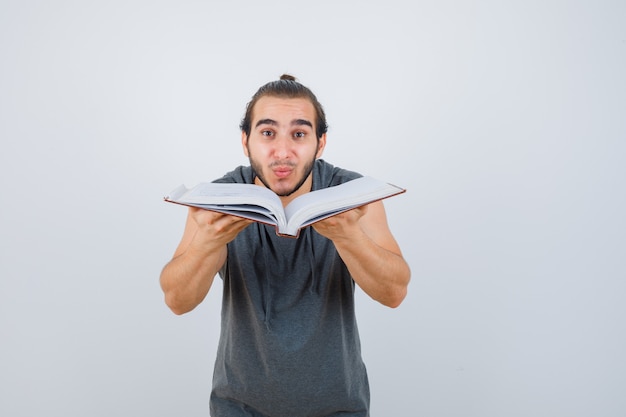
<point>504,120</point>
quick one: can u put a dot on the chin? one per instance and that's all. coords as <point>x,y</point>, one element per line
<point>283,191</point>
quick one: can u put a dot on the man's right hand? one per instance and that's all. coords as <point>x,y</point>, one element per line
<point>215,229</point>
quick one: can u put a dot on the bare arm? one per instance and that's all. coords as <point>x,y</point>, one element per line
<point>369,250</point>
<point>187,278</point>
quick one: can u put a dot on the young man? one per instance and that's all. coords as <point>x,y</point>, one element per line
<point>289,344</point>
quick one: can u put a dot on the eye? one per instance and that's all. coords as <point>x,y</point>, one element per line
<point>267,133</point>
<point>299,135</point>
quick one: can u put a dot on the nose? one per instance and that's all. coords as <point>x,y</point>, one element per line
<point>282,146</point>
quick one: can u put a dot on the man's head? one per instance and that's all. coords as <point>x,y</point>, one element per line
<point>283,133</point>
<point>286,87</point>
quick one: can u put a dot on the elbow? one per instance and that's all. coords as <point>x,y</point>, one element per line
<point>178,311</point>
<point>396,299</point>
<point>174,299</point>
<point>399,292</point>
<point>177,307</point>
<point>392,297</point>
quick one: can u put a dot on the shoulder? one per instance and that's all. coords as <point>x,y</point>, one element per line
<point>327,175</point>
<point>241,175</point>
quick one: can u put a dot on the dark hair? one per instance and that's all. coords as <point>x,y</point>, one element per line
<point>286,87</point>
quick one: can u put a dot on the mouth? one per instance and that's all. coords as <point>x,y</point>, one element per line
<point>282,171</point>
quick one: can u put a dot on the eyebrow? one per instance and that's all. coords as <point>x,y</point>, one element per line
<point>295,122</point>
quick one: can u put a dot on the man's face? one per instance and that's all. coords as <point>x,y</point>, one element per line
<point>282,145</point>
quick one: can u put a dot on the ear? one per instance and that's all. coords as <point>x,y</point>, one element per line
<point>244,143</point>
<point>321,144</point>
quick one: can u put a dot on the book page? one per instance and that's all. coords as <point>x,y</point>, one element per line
<point>247,211</point>
<point>231,198</point>
<point>323,203</point>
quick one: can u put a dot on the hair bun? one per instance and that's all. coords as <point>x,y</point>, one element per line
<point>288,77</point>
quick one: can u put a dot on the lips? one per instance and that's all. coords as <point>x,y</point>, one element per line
<point>282,172</point>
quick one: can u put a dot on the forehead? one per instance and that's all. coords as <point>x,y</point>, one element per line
<point>283,109</point>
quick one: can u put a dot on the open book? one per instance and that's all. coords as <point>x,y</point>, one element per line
<point>263,205</point>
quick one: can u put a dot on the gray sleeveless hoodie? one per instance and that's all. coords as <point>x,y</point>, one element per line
<point>289,344</point>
